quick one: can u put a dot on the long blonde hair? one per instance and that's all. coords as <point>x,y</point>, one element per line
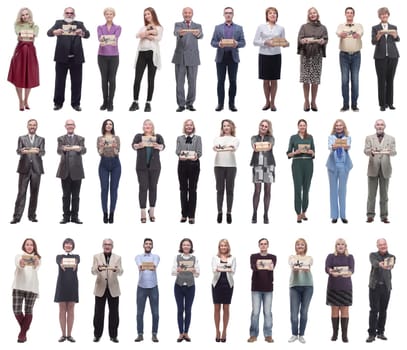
<point>19,14</point>
<point>228,245</point>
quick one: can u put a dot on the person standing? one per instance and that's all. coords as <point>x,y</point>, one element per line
<point>24,70</point>
<point>108,57</point>
<point>68,57</point>
<point>350,44</point>
<point>267,38</point>
<point>188,150</point>
<point>339,164</point>
<point>25,286</point>
<point>186,59</point>
<point>109,168</point>
<point>71,147</point>
<point>227,38</point>
<point>386,56</point>
<point>66,292</point>
<point>379,147</point>
<point>262,265</point>
<point>147,287</point>
<point>379,289</point>
<point>31,148</point>
<point>107,266</point>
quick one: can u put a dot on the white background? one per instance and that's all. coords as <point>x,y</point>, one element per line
<point>127,231</point>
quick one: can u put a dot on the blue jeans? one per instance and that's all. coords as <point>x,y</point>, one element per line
<point>337,190</point>
<point>257,299</point>
<point>300,298</point>
<point>350,65</point>
<point>184,296</point>
<point>142,295</point>
<point>109,174</point>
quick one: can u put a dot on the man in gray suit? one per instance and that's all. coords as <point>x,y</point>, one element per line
<point>186,59</point>
<point>379,148</point>
<point>70,171</point>
<point>31,148</point>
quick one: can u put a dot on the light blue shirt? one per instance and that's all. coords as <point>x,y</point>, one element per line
<point>147,278</point>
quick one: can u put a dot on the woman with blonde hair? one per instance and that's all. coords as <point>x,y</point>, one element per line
<point>223,267</point>
<point>24,70</point>
<point>340,266</point>
<point>339,164</point>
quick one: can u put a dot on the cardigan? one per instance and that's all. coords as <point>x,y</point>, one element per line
<point>231,263</point>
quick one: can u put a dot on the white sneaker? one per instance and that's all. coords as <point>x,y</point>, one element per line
<point>301,339</point>
<point>293,339</point>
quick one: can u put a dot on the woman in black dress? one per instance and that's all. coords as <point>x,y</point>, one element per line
<point>223,267</point>
<point>66,293</point>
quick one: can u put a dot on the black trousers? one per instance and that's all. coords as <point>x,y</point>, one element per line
<point>24,179</point>
<point>385,70</point>
<point>108,68</point>
<point>379,301</point>
<point>99,317</point>
<point>148,180</point>
<point>188,175</point>
<point>144,59</point>
<point>75,72</point>
<point>70,197</point>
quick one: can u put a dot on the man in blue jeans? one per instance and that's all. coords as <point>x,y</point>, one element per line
<point>350,44</point>
<point>262,265</point>
<point>147,288</point>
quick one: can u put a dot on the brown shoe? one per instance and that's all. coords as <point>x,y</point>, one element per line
<point>385,220</point>
<point>252,339</point>
<point>269,339</point>
<point>370,219</point>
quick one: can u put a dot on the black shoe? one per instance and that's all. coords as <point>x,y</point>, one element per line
<point>355,108</point>
<point>77,108</point>
<point>370,338</point>
<point>183,219</point>
<point>103,107</point>
<point>76,221</point>
<point>105,218</point>
<point>64,221</point>
<point>334,221</point>
<point>15,221</point>
<point>345,108</point>
<point>147,107</point>
<point>233,108</point>
<point>111,218</point>
<point>229,218</point>
<point>219,218</point>
<point>314,108</point>
<point>191,221</point>
<point>392,107</point>
<point>254,218</point>
<point>345,221</point>
<point>33,219</point>
<point>134,107</point>
<point>110,108</point>
<point>96,339</point>
<point>57,107</point>
<point>154,338</point>
<point>218,108</point>
<point>71,339</point>
<point>381,336</point>
<point>139,338</point>
<point>265,219</point>
<point>180,109</point>
<point>114,339</point>
<point>62,339</point>
<point>382,109</point>
<point>191,108</point>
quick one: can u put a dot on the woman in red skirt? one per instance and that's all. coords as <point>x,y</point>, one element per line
<point>24,72</point>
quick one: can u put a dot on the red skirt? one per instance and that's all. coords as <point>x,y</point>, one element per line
<point>24,71</point>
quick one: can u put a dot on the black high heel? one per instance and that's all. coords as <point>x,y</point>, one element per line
<point>219,218</point>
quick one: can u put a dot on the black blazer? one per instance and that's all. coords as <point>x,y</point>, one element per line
<point>30,161</point>
<point>380,50</point>
<point>269,154</point>
<point>71,161</point>
<point>69,44</point>
<point>141,163</point>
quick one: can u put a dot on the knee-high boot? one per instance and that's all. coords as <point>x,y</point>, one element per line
<point>25,326</point>
<point>344,327</point>
<point>335,327</point>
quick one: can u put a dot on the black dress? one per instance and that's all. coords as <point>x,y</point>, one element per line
<point>222,292</point>
<point>67,283</point>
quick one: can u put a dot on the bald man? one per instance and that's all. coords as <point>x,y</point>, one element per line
<point>379,289</point>
<point>379,147</point>
<point>70,171</point>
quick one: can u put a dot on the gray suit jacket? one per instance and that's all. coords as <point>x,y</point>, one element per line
<point>186,51</point>
<point>218,35</point>
<point>380,50</point>
<point>380,161</point>
<point>71,161</point>
<point>32,161</point>
<point>107,278</point>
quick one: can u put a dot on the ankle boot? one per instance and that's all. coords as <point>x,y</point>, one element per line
<point>254,218</point>
<point>105,218</point>
<point>335,327</point>
<point>266,218</point>
<point>111,218</point>
<point>344,327</point>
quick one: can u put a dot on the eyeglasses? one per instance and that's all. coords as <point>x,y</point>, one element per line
<point>69,13</point>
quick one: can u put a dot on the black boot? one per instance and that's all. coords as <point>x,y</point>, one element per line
<point>254,218</point>
<point>104,105</point>
<point>105,219</point>
<point>335,327</point>
<point>111,215</point>
<point>344,327</point>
